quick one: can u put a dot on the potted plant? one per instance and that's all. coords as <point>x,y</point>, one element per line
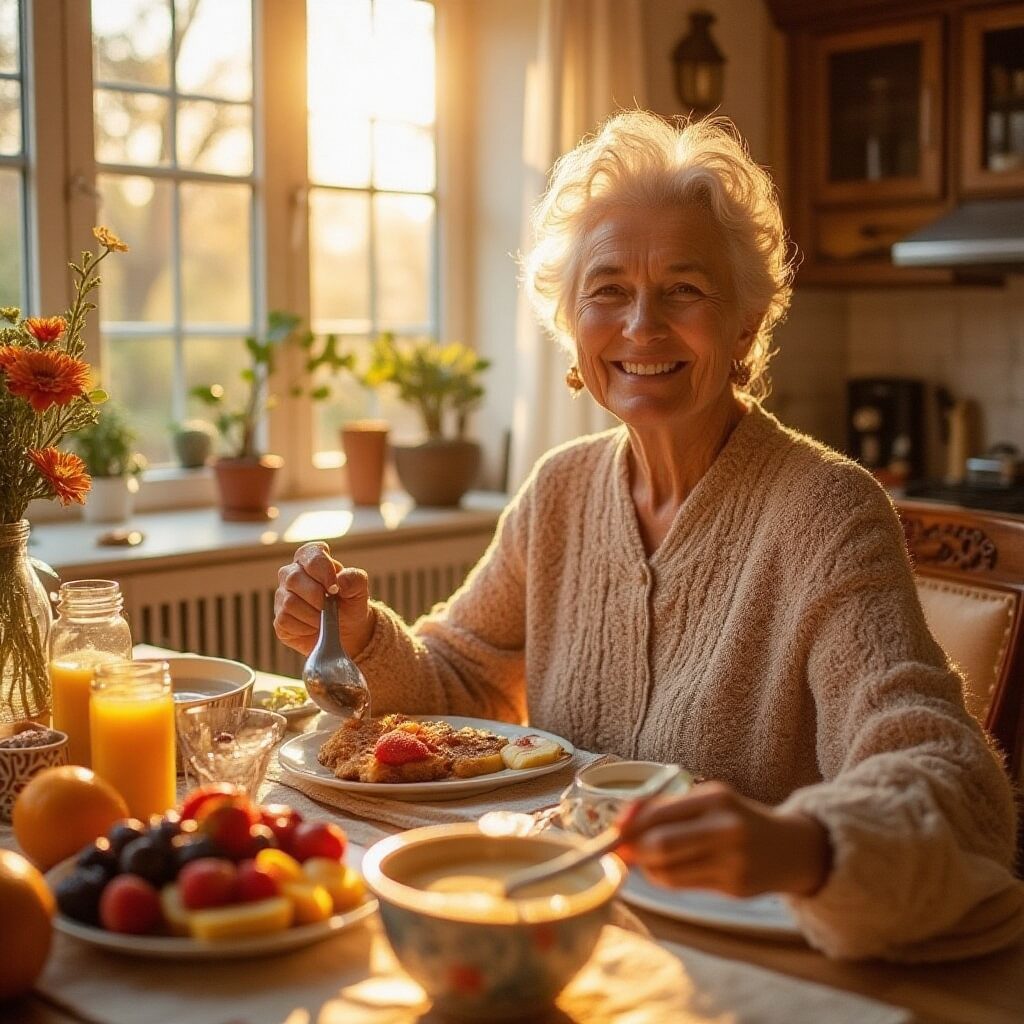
<point>193,442</point>
<point>107,449</point>
<point>441,381</point>
<point>245,476</point>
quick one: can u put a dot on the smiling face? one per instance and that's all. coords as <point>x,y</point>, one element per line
<point>657,323</point>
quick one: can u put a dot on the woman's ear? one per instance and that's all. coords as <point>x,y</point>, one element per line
<point>745,342</point>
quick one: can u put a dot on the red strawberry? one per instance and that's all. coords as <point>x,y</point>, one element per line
<point>399,747</point>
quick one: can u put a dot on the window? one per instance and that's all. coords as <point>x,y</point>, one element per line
<point>173,127</point>
<point>13,263</point>
<point>372,182</point>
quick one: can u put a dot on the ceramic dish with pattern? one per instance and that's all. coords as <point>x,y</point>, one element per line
<point>298,759</point>
<point>166,947</point>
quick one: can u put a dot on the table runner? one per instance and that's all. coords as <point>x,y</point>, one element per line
<point>353,979</point>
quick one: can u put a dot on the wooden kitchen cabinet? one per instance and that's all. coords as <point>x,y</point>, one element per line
<point>894,113</point>
<point>992,73</point>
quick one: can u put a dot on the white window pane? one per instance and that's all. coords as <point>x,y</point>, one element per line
<point>339,56</point>
<point>404,257</point>
<point>139,374</point>
<point>214,48</point>
<point>403,157</point>
<point>132,42</point>
<point>216,234</point>
<point>10,116</point>
<point>10,36</point>
<point>403,64</point>
<point>215,137</point>
<point>348,401</point>
<point>213,360</point>
<point>339,236</point>
<point>12,252</point>
<point>132,128</point>
<point>139,286</point>
<point>339,150</point>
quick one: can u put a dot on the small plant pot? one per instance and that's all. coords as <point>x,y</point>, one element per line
<point>111,499</point>
<point>245,487</point>
<point>365,444</point>
<point>192,447</point>
<point>439,472</point>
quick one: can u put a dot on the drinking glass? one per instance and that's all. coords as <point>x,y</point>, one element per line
<point>228,745</point>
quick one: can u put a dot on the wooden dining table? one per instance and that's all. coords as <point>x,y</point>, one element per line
<point>984,990</point>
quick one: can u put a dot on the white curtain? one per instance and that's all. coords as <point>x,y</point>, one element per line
<point>589,64</point>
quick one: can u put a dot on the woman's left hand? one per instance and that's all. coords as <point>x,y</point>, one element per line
<point>713,838</point>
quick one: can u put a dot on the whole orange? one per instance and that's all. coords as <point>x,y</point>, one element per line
<point>63,809</point>
<point>26,909</point>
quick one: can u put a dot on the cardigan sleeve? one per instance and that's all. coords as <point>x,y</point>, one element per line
<point>915,800</point>
<point>466,656</point>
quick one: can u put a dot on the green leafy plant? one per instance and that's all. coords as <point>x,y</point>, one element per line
<point>440,380</point>
<point>107,446</point>
<point>238,426</point>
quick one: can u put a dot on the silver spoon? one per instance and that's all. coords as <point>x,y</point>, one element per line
<point>601,844</point>
<point>331,677</point>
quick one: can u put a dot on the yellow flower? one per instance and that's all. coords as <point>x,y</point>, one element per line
<point>10,313</point>
<point>109,240</point>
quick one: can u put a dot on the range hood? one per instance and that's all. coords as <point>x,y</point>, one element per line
<point>988,232</point>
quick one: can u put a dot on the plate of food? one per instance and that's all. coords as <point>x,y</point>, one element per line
<point>421,757</point>
<point>222,879</point>
<point>290,700</point>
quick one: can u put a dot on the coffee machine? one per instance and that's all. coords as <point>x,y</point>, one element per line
<point>885,427</point>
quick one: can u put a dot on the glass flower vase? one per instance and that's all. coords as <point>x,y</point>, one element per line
<point>25,619</point>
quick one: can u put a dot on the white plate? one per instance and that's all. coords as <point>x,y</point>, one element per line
<point>298,757</point>
<point>762,916</point>
<point>292,714</point>
<point>165,947</point>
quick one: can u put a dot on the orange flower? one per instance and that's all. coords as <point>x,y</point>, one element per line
<point>44,377</point>
<point>64,472</point>
<point>109,240</point>
<point>8,354</point>
<point>46,328</point>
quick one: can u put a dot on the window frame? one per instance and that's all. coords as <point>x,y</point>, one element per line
<point>62,203</point>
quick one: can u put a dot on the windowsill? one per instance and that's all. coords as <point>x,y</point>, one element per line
<point>199,536</point>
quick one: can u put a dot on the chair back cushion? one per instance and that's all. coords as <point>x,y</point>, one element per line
<point>973,625</point>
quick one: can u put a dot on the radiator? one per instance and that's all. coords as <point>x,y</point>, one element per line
<point>227,610</point>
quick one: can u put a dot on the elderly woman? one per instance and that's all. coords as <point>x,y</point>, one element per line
<point>704,586</point>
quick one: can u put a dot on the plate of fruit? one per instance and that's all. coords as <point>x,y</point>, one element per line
<point>218,875</point>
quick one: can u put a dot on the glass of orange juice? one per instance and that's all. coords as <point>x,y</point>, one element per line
<point>131,718</point>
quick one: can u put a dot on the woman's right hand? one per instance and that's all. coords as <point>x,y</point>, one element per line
<point>299,599</point>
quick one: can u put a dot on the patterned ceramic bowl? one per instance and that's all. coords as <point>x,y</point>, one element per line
<point>599,793</point>
<point>479,957</point>
<point>19,764</point>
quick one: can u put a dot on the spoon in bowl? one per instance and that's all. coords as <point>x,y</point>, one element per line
<point>331,677</point>
<point>602,843</point>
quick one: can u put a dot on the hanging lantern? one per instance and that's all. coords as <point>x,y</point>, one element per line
<point>699,66</point>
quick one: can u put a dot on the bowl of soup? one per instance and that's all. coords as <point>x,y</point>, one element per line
<point>478,954</point>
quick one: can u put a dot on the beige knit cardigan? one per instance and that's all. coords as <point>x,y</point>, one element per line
<point>774,640</point>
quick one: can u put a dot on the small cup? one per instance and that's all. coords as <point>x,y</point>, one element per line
<point>19,764</point>
<point>228,744</point>
<point>599,793</point>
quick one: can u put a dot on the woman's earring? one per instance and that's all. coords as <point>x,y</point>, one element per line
<point>739,373</point>
<point>573,379</point>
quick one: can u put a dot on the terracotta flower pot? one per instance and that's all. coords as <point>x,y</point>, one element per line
<point>245,487</point>
<point>365,443</point>
<point>437,472</point>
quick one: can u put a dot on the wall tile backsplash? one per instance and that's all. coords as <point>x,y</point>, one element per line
<point>968,340</point>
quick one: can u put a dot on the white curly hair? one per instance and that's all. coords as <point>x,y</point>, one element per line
<point>640,159</point>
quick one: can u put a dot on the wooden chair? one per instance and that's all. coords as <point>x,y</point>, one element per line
<point>969,567</point>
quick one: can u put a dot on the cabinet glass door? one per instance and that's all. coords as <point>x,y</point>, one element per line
<point>993,85</point>
<point>880,107</point>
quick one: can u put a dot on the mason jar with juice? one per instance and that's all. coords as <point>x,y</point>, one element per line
<point>90,630</point>
<point>131,715</point>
